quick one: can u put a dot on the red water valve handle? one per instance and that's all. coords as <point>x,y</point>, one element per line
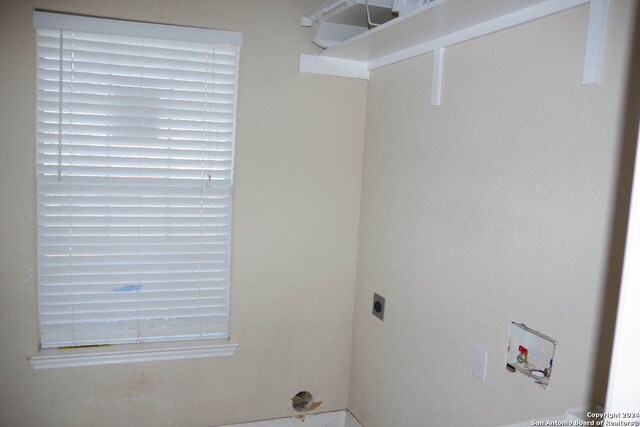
<point>523,350</point>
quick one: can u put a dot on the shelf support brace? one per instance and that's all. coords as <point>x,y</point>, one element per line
<point>595,41</point>
<point>436,81</point>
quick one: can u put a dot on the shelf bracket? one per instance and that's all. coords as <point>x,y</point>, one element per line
<point>595,41</point>
<point>436,81</point>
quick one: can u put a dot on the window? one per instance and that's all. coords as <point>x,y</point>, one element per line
<point>135,138</point>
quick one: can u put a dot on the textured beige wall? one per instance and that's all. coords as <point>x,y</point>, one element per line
<point>298,159</point>
<point>495,207</point>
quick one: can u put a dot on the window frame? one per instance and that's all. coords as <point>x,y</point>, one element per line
<point>154,350</point>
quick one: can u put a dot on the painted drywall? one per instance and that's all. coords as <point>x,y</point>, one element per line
<point>296,209</point>
<point>497,206</point>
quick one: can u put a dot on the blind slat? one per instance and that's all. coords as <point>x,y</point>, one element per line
<point>150,154</point>
<point>219,143</point>
<point>83,51</point>
<point>133,103</point>
<point>96,292</point>
<point>116,280</point>
<point>89,299</point>
<point>86,42</point>
<point>215,93</point>
<point>217,121</point>
<point>125,230</point>
<point>220,85</point>
<point>87,71</point>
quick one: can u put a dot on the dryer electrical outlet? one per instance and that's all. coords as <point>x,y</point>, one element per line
<point>378,306</point>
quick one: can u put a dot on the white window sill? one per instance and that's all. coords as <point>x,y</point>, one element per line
<point>130,353</point>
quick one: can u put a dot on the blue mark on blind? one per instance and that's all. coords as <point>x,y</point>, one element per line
<point>128,288</point>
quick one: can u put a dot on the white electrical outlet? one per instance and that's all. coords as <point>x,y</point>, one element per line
<point>479,368</point>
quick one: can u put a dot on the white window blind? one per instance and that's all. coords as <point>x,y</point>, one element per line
<point>135,137</point>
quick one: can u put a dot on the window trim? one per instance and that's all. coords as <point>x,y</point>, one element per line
<point>131,353</point>
<point>46,358</point>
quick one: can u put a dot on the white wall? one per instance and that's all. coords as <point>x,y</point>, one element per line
<point>299,154</point>
<point>495,207</point>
